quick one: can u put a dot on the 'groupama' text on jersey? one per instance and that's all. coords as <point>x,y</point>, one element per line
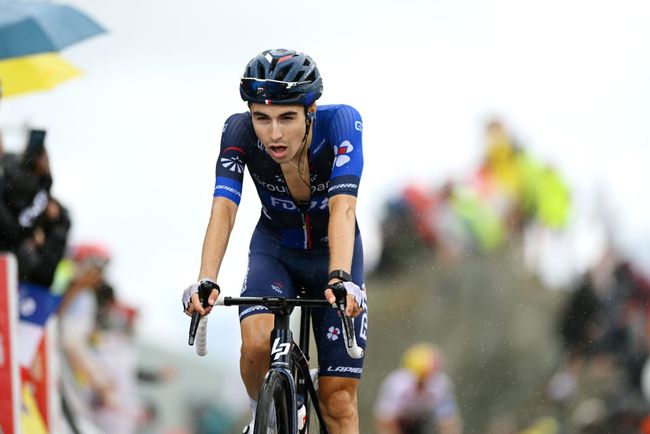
<point>335,166</point>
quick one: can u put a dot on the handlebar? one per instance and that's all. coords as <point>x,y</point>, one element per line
<point>283,304</point>
<point>354,351</point>
<point>198,324</point>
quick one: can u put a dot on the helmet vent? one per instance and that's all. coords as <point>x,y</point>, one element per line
<point>282,73</point>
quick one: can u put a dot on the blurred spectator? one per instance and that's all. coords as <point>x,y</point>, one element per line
<point>483,225</point>
<point>604,327</point>
<point>522,187</point>
<point>499,177</point>
<point>400,238</point>
<point>97,336</point>
<point>33,224</point>
<point>116,356</point>
<point>78,314</point>
<point>418,396</point>
<point>149,420</point>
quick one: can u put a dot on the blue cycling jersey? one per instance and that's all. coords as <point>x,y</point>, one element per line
<point>335,165</point>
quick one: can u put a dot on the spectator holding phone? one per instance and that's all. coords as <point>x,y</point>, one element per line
<point>33,224</point>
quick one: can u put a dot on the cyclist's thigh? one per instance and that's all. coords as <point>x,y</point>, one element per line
<point>266,276</point>
<point>255,331</point>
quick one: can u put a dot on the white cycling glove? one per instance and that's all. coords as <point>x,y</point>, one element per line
<point>193,289</point>
<point>358,293</point>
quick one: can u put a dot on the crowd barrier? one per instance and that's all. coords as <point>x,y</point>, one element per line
<point>37,386</point>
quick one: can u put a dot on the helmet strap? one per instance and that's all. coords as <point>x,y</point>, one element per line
<point>308,121</point>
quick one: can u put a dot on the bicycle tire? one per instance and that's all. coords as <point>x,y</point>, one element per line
<point>273,406</point>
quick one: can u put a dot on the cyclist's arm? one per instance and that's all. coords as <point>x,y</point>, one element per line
<point>222,220</point>
<point>341,232</point>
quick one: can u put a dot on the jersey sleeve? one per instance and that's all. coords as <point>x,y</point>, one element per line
<point>232,157</point>
<point>345,136</point>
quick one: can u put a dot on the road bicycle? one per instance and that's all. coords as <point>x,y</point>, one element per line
<point>288,381</point>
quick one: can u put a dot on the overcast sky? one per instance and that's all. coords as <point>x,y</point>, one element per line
<point>133,142</point>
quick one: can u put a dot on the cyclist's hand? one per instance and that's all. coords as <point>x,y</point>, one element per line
<point>192,302</point>
<point>353,298</point>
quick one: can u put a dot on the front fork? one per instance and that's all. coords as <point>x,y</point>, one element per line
<point>281,349</point>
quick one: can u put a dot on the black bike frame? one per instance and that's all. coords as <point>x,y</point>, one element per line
<point>305,386</point>
<point>287,357</point>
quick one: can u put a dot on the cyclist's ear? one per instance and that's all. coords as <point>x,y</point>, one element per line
<point>309,112</point>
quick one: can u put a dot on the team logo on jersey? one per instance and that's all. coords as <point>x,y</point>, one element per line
<point>270,187</point>
<point>333,333</point>
<point>234,164</point>
<point>341,152</point>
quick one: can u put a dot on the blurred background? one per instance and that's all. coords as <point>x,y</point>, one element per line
<point>503,203</point>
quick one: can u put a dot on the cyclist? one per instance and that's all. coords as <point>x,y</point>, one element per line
<point>306,163</point>
<point>411,399</point>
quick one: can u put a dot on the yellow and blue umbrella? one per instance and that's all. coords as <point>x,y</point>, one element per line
<point>40,72</point>
<point>32,27</point>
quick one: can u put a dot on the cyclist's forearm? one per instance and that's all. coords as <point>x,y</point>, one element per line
<point>222,220</point>
<point>341,232</point>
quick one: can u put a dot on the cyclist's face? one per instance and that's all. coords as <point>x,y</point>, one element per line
<point>280,128</point>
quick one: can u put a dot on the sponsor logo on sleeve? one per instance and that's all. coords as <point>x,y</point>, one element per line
<point>342,152</point>
<point>345,186</point>
<point>234,164</point>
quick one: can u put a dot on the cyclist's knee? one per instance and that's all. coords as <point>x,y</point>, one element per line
<point>339,398</point>
<point>255,337</point>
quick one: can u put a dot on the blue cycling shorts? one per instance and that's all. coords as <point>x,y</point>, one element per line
<point>274,270</point>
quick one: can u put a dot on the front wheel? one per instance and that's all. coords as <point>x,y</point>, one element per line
<point>273,415</point>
